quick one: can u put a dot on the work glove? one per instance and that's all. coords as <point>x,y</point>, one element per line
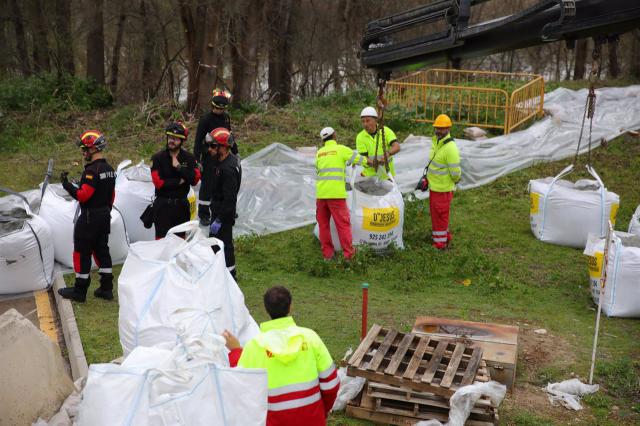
<point>68,186</point>
<point>215,227</point>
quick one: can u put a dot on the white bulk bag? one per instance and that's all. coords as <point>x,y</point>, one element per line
<point>26,250</point>
<point>134,192</point>
<point>634,223</point>
<point>377,214</point>
<point>154,386</point>
<point>622,289</point>
<point>564,213</point>
<point>60,211</point>
<point>162,278</point>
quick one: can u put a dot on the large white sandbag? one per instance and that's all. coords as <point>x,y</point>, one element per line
<point>377,214</point>
<point>634,223</point>
<point>134,192</point>
<point>564,212</point>
<point>168,277</point>
<point>59,210</point>
<point>162,386</point>
<point>622,289</point>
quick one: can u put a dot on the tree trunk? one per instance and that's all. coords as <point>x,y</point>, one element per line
<point>245,30</point>
<point>579,67</point>
<point>147,51</point>
<point>280,52</point>
<point>208,68</point>
<point>614,66</point>
<point>635,54</point>
<point>64,41</point>
<point>40,42</point>
<point>194,40</point>
<point>21,45</point>
<point>117,47</point>
<point>95,42</point>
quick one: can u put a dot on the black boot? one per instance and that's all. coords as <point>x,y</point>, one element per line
<point>105,291</point>
<point>78,292</point>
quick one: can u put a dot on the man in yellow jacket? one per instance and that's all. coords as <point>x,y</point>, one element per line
<point>302,378</point>
<point>443,172</point>
<point>369,142</point>
<point>331,193</point>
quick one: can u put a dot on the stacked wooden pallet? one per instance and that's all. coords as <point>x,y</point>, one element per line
<point>411,378</point>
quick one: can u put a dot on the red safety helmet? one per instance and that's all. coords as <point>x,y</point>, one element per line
<point>221,136</point>
<point>220,98</point>
<point>177,130</point>
<point>92,139</point>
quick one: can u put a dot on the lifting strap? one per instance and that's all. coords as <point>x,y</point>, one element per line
<point>590,104</point>
<point>381,104</point>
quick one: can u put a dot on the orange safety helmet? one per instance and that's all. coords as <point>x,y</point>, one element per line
<point>221,136</point>
<point>442,120</point>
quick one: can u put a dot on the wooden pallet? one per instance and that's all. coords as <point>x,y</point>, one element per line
<point>420,363</point>
<point>420,405</point>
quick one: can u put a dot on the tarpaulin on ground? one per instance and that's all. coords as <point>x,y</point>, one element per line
<point>278,187</point>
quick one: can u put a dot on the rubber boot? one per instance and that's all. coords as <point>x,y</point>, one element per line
<point>78,292</point>
<point>105,291</point>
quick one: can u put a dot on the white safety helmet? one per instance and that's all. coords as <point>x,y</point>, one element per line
<point>326,132</point>
<point>369,112</point>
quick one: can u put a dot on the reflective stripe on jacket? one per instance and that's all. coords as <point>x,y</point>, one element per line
<point>367,143</point>
<point>444,171</point>
<point>302,378</point>
<point>331,161</point>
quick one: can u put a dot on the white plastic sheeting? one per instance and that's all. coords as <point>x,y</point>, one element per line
<point>622,289</point>
<point>465,398</point>
<point>175,279</point>
<point>568,393</point>
<point>59,210</point>
<point>278,188</point>
<point>634,223</point>
<point>564,212</point>
<point>26,249</point>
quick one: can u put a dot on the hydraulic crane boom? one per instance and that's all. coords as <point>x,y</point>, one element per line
<point>547,20</point>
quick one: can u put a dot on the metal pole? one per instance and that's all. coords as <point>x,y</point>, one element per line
<point>603,280</point>
<point>365,308</point>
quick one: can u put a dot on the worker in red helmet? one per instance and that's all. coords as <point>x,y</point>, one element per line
<point>216,117</point>
<point>226,176</point>
<point>96,194</point>
<point>173,171</point>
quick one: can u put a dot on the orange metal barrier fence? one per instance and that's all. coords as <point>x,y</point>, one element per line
<point>471,98</point>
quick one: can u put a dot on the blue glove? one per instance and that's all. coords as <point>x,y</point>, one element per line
<point>215,227</point>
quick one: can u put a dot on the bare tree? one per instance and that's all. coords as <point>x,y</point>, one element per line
<point>280,50</point>
<point>147,50</point>
<point>244,35</point>
<point>612,48</point>
<point>579,67</point>
<point>64,41</point>
<point>21,43</point>
<point>39,33</point>
<point>194,38</point>
<point>95,41</point>
<point>208,68</point>
<point>117,47</point>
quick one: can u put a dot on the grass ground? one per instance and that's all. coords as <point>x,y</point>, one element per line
<point>515,279</point>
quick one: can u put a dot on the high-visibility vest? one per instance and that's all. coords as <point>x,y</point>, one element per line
<point>367,143</point>
<point>331,161</point>
<point>299,368</point>
<point>444,171</point>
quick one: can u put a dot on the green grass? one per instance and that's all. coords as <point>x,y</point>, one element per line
<point>515,278</point>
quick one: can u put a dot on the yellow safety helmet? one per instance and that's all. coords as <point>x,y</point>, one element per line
<point>442,120</point>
